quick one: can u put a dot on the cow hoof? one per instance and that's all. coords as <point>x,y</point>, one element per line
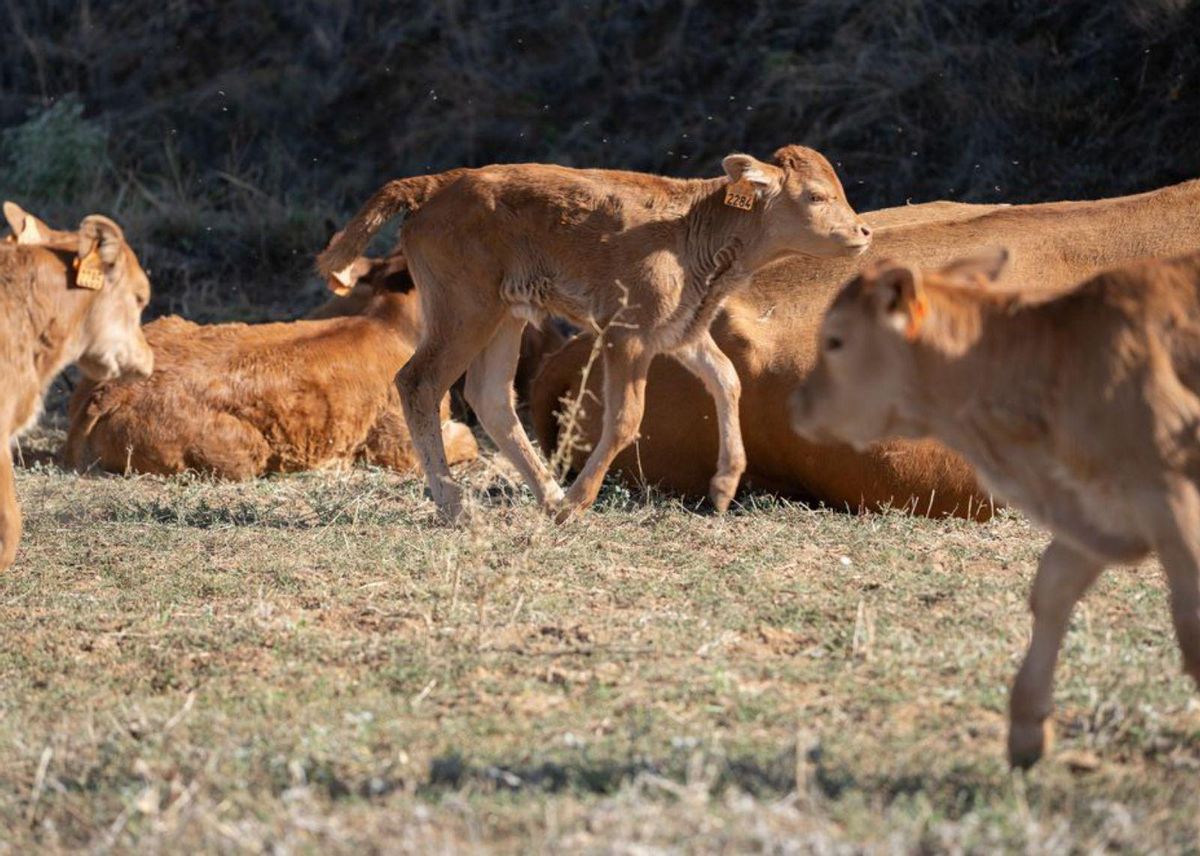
<point>1028,742</point>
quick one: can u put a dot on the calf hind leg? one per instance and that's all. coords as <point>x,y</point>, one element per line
<point>422,382</point>
<point>1063,575</point>
<point>489,391</point>
<point>626,361</point>
<point>705,360</point>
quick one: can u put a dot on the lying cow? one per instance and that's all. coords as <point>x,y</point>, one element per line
<point>60,306</point>
<point>239,400</point>
<point>1080,407</point>
<point>769,332</point>
<point>650,258</point>
<point>537,341</point>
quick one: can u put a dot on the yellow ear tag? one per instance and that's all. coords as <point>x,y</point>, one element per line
<point>916,317</point>
<point>89,271</point>
<point>740,194</point>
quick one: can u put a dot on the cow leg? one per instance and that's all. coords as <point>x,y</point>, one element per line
<point>424,379</point>
<point>626,361</point>
<point>489,391</point>
<point>1178,545</point>
<point>706,361</point>
<point>1063,575</point>
<point>10,512</point>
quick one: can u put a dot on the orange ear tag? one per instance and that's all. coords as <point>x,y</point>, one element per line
<point>740,194</point>
<point>89,272</point>
<point>916,317</point>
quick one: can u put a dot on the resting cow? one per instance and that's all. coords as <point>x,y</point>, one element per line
<point>241,400</point>
<point>1080,407</point>
<point>650,258</point>
<point>769,333</point>
<point>58,306</point>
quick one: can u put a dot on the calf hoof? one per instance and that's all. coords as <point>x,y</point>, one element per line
<point>1028,742</point>
<point>721,491</point>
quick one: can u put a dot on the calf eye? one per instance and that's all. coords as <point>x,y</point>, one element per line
<point>833,343</point>
<point>817,197</point>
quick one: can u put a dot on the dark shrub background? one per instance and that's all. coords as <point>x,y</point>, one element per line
<point>230,136</point>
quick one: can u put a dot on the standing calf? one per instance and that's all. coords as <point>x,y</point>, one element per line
<point>1082,407</point>
<point>60,306</point>
<point>491,248</point>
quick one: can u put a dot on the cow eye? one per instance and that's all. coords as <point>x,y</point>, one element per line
<point>833,343</point>
<point>813,196</point>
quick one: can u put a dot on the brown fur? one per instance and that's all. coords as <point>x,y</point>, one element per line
<point>769,331</point>
<point>653,257</point>
<point>48,323</point>
<point>537,341</point>
<point>1079,405</point>
<point>238,400</point>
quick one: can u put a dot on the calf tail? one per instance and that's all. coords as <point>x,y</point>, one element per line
<point>404,194</point>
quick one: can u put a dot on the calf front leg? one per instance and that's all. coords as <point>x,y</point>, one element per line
<point>626,361</point>
<point>10,512</point>
<point>1063,575</point>
<point>707,361</point>
<point>1178,545</point>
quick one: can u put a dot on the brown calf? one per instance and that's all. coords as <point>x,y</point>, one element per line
<point>649,258</point>
<point>1080,407</point>
<point>240,400</point>
<point>769,332</point>
<point>57,307</point>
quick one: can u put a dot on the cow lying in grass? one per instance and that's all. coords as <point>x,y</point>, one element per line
<point>241,400</point>
<point>78,301</point>
<point>769,332</point>
<point>1080,407</point>
<point>650,258</point>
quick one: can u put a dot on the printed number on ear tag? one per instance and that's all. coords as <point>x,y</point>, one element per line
<point>740,194</point>
<point>89,272</point>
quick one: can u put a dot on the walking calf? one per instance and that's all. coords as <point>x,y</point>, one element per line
<point>649,258</point>
<point>60,306</point>
<point>1082,407</point>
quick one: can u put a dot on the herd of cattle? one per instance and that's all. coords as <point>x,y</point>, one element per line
<point>748,330</point>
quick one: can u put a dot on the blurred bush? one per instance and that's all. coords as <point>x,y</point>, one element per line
<point>240,131</point>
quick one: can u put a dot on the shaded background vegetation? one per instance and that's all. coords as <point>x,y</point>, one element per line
<point>230,136</point>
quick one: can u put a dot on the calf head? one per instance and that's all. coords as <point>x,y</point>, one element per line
<point>868,382</point>
<point>110,336</point>
<point>804,206</point>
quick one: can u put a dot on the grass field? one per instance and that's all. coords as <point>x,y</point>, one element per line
<point>310,664</point>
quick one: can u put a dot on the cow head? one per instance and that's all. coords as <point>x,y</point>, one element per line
<point>111,334</point>
<point>804,205</point>
<point>867,382</point>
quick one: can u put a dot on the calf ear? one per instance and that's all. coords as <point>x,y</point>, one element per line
<point>899,298</point>
<point>764,177</point>
<point>26,228</point>
<point>100,235</point>
<point>977,269</point>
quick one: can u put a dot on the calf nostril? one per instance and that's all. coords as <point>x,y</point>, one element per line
<point>864,230</point>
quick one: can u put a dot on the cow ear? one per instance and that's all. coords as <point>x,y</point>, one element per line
<point>899,299</point>
<point>100,235</point>
<point>26,228</point>
<point>342,282</point>
<point>977,269</point>
<point>765,178</point>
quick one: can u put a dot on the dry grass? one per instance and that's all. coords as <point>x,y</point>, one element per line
<point>308,663</point>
